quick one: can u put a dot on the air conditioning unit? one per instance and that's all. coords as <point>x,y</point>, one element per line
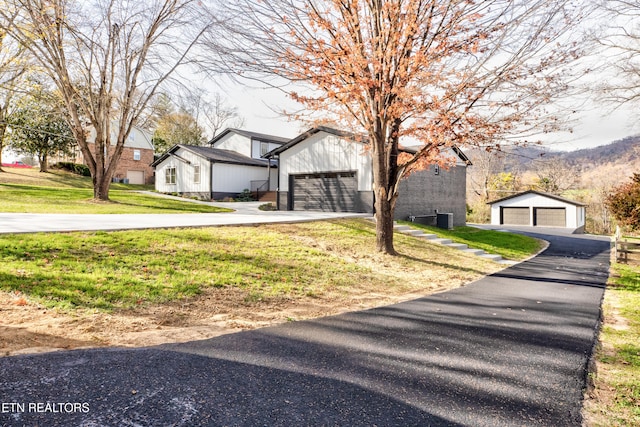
<point>445,220</point>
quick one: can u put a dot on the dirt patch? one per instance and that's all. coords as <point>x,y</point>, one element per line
<point>28,327</point>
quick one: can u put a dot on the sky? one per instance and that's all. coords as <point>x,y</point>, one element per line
<point>594,128</point>
<point>594,125</point>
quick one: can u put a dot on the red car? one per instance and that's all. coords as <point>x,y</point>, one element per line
<point>15,165</point>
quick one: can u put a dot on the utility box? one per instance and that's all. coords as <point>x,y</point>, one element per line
<point>445,220</point>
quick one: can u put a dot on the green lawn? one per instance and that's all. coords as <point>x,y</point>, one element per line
<point>618,376</point>
<point>111,270</point>
<point>35,199</point>
<point>28,190</point>
<point>509,246</point>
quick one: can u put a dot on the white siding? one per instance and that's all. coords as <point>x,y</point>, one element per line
<point>574,214</point>
<point>256,144</point>
<point>324,152</point>
<point>235,142</point>
<point>184,173</point>
<point>138,137</point>
<point>229,178</point>
<point>273,183</point>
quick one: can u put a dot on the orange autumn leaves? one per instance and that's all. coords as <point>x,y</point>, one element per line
<point>386,67</point>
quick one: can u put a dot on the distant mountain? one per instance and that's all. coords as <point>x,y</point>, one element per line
<point>626,150</point>
<point>618,159</point>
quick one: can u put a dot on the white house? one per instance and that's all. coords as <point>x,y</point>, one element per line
<point>249,144</point>
<point>536,209</point>
<point>230,165</point>
<point>329,170</point>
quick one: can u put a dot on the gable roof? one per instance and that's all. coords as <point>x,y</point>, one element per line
<point>350,135</point>
<point>215,155</point>
<point>251,135</point>
<point>306,135</point>
<point>539,193</point>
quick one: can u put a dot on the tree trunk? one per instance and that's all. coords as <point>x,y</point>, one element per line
<point>3,128</point>
<point>101,189</point>
<point>44,167</point>
<point>384,205</point>
<point>384,222</point>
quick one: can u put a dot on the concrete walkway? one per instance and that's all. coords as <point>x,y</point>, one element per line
<point>245,213</point>
<point>508,350</point>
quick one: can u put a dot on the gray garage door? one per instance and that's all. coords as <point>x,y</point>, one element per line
<point>514,216</point>
<point>550,217</point>
<point>329,192</point>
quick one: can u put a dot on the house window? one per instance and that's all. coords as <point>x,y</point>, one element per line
<point>196,174</point>
<point>170,175</point>
<point>264,148</point>
<point>136,154</point>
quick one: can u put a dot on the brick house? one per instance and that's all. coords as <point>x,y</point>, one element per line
<point>137,156</point>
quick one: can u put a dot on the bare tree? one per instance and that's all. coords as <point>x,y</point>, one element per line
<point>14,63</point>
<point>620,39</point>
<point>555,176</point>
<point>217,115</point>
<point>107,59</point>
<point>211,111</point>
<point>440,72</point>
<point>486,163</point>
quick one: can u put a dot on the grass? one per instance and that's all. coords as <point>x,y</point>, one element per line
<point>120,270</point>
<point>113,270</point>
<point>618,358</point>
<point>26,190</point>
<point>509,246</point>
<point>56,178</point>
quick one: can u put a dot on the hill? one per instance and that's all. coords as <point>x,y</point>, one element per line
<point>608,163</point>
<point>626,151</point>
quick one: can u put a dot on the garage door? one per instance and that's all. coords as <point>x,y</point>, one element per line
<point>514,216</point>
<point>549,217</point>
<point>135,177</point>
<point>330,192</point>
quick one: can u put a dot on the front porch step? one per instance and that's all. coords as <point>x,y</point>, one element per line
<point>269,196</point>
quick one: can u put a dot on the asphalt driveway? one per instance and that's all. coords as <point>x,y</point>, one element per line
<point>510,349</point>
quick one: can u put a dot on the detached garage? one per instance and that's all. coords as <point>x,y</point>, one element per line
<point>533,208</point>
